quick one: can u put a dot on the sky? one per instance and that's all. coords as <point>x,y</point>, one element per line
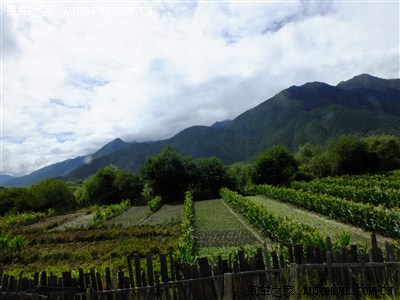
<point>76,75</point>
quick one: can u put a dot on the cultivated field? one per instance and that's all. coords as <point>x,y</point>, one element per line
<point>326,226</point>
<point>217,226</point>
<point>302,214</point>
<point>73,241</point>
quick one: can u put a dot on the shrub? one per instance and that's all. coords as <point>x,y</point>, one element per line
<point>155,203</point>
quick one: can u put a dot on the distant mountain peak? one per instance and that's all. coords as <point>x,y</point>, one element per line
<point>221,124</point>
<point>366,82</point>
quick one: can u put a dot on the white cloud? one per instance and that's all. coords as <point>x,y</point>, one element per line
<point>72,83</point>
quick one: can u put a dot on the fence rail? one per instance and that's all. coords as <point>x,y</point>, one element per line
<point>304,271</point>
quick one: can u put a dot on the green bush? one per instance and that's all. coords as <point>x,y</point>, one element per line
<point>155,203</point>
<point>10,246</point>
<point>110,211</point>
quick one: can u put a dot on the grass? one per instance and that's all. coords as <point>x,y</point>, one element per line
<point>326,226</point>
<point>216,226</point>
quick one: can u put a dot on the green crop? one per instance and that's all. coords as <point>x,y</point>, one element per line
<point>280,229</point>
<point>366,216</point>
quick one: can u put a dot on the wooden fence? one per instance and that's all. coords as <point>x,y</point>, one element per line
<point>304,272</point>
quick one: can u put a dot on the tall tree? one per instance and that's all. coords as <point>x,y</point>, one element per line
<point>169,174</point>
<point>53,193</point>
<point>349,154</point>
<point>211,177</point>
<point>276,166</point>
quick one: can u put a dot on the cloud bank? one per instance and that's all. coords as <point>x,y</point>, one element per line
<point>77,75</point>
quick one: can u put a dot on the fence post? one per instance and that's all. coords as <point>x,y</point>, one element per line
<point>88,294</point>
<point>228,286</point>
<point>293,279</point>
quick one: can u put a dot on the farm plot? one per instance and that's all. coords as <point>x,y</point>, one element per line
<point>167,214</point>
<point>91,248</point>
<point>59,221</point>
<point>135,215</point>
<point>323,224</point>
<point>217,226</point>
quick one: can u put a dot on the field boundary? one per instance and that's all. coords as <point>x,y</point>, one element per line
<point>251,230</point>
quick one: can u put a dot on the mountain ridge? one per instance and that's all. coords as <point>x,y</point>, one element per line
<point>312,112</point>
<point>66,166</point>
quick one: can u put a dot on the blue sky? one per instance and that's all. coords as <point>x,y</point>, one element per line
<point>73,82</point>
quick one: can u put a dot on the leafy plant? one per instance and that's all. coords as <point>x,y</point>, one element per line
<point>366,216</point>
<point>155,203</point>
<point>110,211</point>
<point>10,246</point>
<point>187,240</point>
<point>278,228</point>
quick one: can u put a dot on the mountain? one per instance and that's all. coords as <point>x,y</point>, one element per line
<point>221,124</point>
<point>4,178</point>
<point>65,167</point>
<point>311,113</point>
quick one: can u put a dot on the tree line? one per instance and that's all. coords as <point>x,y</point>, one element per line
<point>169,175</point>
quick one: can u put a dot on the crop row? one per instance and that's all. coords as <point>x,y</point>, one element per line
<point>278,228</point>
<point>187,241</point>
<point>375,195</point>
<point>110,211</point>
<point>366,216</point>
<point>390,180</point>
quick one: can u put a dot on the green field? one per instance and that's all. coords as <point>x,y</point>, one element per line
<point>167,214</point>
<point>326,226</point>
<point>72,241</point>
<point>135,215</point>
<point>217,226</point>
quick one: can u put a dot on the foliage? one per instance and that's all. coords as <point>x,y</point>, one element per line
<point>366,216</point>
<point>369,193</point>
<point>12,220</point>
<point>129,186</point>
<point>11,246</point>
<point>101,187</point>
<point>306,154</point>
<point>16,200</point>
<point>155,203</point>
<point>387,149</point>
<point>211,177</point>
<point>168,174</point>
<point>110,211</point>
<point>351,154</point>
<point>187,240</point>
<point>325,225</point>
<point>280,229</point>
<point>239,177</point>
<point>110,185</point>
<point>276,166</point>
<point>91,248</point>
<point>348,154</point>
<point>53,193</point>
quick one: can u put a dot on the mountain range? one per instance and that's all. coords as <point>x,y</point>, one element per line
<point>311,113</point>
